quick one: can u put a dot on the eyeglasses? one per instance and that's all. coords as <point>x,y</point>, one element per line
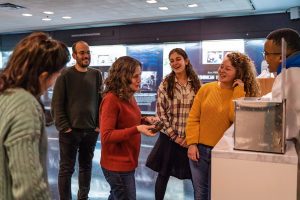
<point>84,52</point>
<point>265,53</point>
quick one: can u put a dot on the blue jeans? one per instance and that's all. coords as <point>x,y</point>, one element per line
<point>83,142</point>
<point>201,173</point>
<point>122,185</point>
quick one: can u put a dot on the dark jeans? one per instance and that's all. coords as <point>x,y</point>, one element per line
<point>83,141</point>
<point>201,173</point>
<point>122,185</point>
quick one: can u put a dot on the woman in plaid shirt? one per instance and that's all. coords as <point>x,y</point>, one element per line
<point>175,98</point>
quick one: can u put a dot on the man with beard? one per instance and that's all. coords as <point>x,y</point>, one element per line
<point>75,104</point>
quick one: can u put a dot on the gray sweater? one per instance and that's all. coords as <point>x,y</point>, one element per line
<point>23,147</point>
<point>76,99</point>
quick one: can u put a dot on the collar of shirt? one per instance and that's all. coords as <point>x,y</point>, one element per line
<point>179,85</point>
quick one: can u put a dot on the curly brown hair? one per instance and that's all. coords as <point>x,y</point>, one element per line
<point>33,55</point>
<point>119,77</point>
<point>169,82</point>
<point>245,70</point>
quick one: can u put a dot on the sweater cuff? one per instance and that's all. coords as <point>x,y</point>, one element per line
<point>238,92</point>
<point>63,130</point>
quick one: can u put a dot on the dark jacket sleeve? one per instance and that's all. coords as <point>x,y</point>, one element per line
<point>100,91</point>
<point>58,105</point>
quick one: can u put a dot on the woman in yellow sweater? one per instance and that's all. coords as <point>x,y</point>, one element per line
<point>212,113</point>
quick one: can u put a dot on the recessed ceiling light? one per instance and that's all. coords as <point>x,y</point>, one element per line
<point>66,17</point>
<point>27,14</point>
<point>151,1</point>
<point>163,8</point>
<point>48,12</point>
<point>46,19</point>
<point>193,5</point>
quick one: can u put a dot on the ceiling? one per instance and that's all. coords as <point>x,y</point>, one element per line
<point>97,13</point>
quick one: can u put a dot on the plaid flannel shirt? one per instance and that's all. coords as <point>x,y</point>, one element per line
<point>174,112</point>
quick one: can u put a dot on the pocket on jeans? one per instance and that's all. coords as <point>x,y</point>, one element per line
<point>66,137</point>
<point>112,177</point>
<point>65,133</point>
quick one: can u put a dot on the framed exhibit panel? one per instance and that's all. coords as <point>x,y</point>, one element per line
<point>205,56</point>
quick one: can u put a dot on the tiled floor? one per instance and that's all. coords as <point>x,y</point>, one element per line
<point>145,177</point>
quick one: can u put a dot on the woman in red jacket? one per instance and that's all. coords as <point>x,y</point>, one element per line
<point>120,127</point>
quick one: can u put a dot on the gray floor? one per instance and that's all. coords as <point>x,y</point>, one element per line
<point>145,177</point>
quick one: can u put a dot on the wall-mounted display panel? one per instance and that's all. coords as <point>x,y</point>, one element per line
<point>102,55</point>
<point>4,58</point>
<point>205,56</point>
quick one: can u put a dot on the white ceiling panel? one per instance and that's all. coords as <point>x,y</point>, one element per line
<point>93,13</point>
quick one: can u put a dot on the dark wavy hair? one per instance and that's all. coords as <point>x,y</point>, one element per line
<point>33,55</point>
<point>245,70</point>
<point>119,77</point>
<point>169,82</point>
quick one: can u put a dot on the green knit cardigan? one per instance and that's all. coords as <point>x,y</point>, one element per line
<point>23,147</point>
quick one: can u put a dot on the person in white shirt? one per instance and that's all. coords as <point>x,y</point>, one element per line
<point>272,53</point>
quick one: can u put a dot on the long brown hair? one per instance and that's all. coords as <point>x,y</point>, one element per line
<point>33,55</point>
<point>245,70</point>
<point>119,77</point>
<point>169,82</point>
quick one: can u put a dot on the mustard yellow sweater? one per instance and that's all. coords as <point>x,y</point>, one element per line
<point>211,114</point>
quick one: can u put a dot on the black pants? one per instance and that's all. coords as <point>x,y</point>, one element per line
<point>83,141</point>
